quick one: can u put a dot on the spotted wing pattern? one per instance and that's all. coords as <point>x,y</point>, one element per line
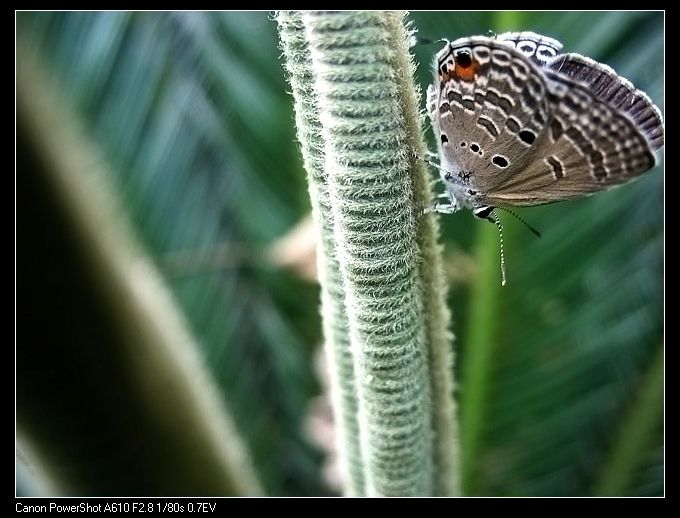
<point>521,124</point>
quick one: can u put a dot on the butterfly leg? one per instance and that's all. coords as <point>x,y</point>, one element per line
<point>429,160</point>
<point>442,208</point>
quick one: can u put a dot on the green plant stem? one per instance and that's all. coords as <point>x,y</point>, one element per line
<point>479,346</point>
<point>437,316</point>
<point>335,326</point>
<point>375,222</point>
<point>636,432</point>
<point>394,304</point>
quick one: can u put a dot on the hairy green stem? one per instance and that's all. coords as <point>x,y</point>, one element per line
<point>393,289</point>
<point>435,311</point>
<point>335,327</point>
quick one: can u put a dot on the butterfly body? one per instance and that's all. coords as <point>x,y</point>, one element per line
<point>519,123</point>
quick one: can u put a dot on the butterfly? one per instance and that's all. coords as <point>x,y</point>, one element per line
<point>519,123</point>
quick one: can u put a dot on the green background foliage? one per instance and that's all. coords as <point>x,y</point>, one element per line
<point>559,373</point>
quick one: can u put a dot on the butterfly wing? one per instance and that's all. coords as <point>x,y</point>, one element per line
<point>548,127</point>
<point>490,109</point>
<point>607,86</point>
<point>538,48</point>
<point>602,133</point>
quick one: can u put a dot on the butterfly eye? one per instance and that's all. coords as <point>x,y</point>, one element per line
<point>463,59</point>
<point>482,212</point>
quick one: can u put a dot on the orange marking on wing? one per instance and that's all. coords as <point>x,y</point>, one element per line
<point>467,73</point>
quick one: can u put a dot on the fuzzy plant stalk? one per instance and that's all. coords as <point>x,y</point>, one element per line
<point>352,73</point>
<point>335,326</point>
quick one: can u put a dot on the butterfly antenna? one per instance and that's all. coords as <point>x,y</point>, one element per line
<point>493,218</point>
<point>520,218</point>
<point>429,41</point>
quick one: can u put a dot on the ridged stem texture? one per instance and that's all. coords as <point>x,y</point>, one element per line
<point>383,290</point>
